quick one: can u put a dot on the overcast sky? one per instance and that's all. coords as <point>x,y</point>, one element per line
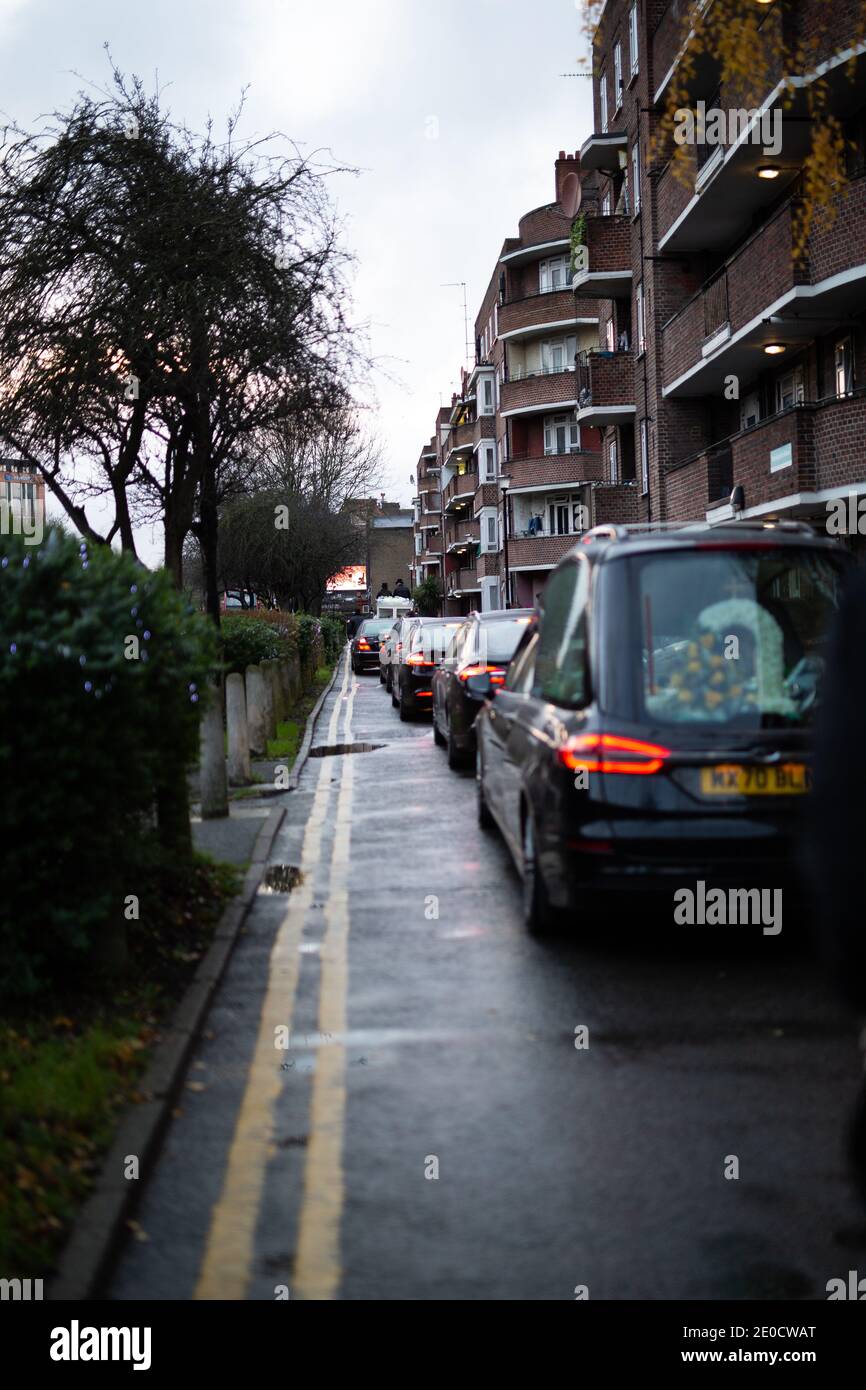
<point>453,111</point>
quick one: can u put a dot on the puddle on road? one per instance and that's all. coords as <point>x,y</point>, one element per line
<point>329,750</point>
<point>280,878</point>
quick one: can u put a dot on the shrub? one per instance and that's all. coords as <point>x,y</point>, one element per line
<point>334,636</point>
<point>308,629</point>
<point>90,737</point>
<point>249,638</point>
<point>427,597</point>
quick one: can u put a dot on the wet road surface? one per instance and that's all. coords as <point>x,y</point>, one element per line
<point>388,1102</point>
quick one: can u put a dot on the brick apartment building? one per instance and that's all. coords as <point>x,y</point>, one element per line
<point>690,359</point>
<point>745,366</point>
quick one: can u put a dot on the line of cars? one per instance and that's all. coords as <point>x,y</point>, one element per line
<point>650,724</point>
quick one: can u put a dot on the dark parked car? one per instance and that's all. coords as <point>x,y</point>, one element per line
<point>391,647</point>
<point>476,661</point>
<point>653,730</point>
<point>424,646</point>
<point>365,644</point>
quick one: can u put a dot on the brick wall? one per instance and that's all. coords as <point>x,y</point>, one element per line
<point>538,390</point>
<point>539,309</point>
<point>556,469</point>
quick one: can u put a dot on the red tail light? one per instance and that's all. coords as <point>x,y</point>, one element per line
<point>363,645</point>
<point>637,756</point>
<point>496,673</point>
<point>417,660</point>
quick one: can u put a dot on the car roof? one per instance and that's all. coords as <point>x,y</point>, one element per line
<point>614,539</point>
<point>498,615</point>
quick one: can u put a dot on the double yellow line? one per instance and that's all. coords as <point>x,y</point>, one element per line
<point>230,1249</point>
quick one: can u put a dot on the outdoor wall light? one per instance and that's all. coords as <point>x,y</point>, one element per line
<point>773,349</point>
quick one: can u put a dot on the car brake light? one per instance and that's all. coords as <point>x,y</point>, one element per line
<point>496,673</point>
<point>644,757</point>
<point>417,660</point>
<point>363,645</point>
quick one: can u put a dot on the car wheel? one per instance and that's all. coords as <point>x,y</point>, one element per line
<point>456,759</point>
<point>485,819</point>
<point>437,737</point>
<point>388,680</point>
<point>381,676</point>
<point>537,912</point>
<point>405,712</point>
<point>394,701</point>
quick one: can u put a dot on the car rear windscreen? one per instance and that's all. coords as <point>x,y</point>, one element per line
<point>498,640</point>
<point>433,639</point>
<point>733,636</point>
<point>374,627</point>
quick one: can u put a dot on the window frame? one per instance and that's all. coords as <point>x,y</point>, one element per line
<point>644,457</point>
<point>633,40</point>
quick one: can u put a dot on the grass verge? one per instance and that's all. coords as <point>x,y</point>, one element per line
<point>71,1062</point>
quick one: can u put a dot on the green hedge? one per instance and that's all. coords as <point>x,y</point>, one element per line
<point>92,736</point>
<point>249,638</point>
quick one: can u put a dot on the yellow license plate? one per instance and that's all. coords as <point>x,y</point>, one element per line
<point>780,779</point>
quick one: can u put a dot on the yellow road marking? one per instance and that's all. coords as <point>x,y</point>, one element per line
<point>318,1268</point>
<point>225,1268</point>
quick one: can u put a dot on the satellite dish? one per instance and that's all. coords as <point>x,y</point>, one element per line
<point>569,195</point>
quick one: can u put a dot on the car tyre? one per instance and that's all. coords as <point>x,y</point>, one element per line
<point>537,912</point>
<point>437,737</point>
<point>381,676</point>
<point>456,759</point>
<point>485,819</point>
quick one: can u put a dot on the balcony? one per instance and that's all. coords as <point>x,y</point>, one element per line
<point>609,261</point>
<point>462,536</point>
<point>538,552</point>
<point>554,470</point>
<point>487,495</point>
<point>770,460</point>
<point>463,580</point>
<point>488,565</point>
<point>605,388</point>
<point>763,296</point>
<point>520,318</point>
<point>460,491</point>
<point>601,150</point>
<point>542,391</point>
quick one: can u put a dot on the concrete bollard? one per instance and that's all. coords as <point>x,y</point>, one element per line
<point>269,711</point>
<point>256,727</point>
<point>239,768</point>
<point>277,687</point>
<point>294,664</point>
<point>285,676</point>
<point>212,760</point>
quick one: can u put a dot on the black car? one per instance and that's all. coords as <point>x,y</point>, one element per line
<point>364,651</point>
<point>653,730</point>
<point>424,646</point>
<point>476,661</point>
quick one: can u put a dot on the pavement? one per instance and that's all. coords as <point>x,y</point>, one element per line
<point>388,1103</point>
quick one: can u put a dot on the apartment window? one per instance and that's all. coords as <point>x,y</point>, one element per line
<point>602,101</point>
<point>552,274</point>
<point>487,396</point>
<point>490,533</point>
<point>559,512</point>
<point>640,319</point>
<point>789,389</point>
<point>750,410</point>
<point>561,434</point>
<point>844,367</point>
<point>611,461</point>
<point>610,335</point>
<point>419,545</point>
<point>557,354</point>
<point>632,39</point>
<point>635,174</point>
<point>488,464</point>
<point>606,204</point>
<point>617,76</point>
<point>644,458</point>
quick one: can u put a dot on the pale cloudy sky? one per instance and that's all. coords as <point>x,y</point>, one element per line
<point>371,81</point>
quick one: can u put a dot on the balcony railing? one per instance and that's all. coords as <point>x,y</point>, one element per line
<point>605,384</point>
<point>716,304</point>
<point>464,578</point>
